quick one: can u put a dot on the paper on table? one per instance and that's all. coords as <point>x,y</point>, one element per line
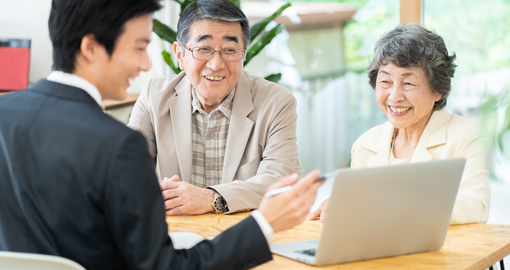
<point>185,239</point>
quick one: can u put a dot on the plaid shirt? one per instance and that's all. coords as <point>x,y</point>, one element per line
<point>209,141</point>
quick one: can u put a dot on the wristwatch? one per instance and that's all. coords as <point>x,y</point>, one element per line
<point>219,204</point>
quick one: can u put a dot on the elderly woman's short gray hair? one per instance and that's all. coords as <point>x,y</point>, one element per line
<point>411,45</point>
<point>222,10</point>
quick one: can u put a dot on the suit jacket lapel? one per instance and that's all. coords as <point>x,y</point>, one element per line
<point>239,129</point>
<point>381,147</point>
<point>421,154</point>
<point>180,116</point>
<point>433,135</point>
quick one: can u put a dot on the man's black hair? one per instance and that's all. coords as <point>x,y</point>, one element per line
<point>71,20</point>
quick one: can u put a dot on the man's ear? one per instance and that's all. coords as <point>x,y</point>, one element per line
<point>89,48</point>
<point>178,54</point>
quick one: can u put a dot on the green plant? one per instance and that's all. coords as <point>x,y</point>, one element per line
<point>495,119</point>
<point>259,39</point>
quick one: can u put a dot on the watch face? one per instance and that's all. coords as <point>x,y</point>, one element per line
<point>220,204</point>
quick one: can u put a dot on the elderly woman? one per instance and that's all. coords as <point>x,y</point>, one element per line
<point>411,74</point>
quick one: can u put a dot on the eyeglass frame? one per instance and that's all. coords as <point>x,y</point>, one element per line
<point>213,52</point>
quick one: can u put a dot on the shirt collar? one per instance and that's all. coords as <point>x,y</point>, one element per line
<point>76,81</point>
<point>225,107</point>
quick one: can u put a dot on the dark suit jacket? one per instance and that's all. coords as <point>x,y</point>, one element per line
<point>76,183</point>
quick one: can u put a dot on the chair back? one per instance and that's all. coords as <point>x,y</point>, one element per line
<point>29,261</point>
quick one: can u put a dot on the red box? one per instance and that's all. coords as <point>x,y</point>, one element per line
<point>14,64</point>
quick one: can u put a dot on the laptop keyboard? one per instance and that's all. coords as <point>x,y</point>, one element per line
<point>309,252</point>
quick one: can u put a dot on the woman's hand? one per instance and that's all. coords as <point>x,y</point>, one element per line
<point>320,213</point>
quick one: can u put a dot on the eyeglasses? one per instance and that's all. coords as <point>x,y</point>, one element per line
<point>206,53</point>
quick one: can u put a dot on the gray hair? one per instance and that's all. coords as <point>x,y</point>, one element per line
<point>221,10</point>
<point>411,45</point>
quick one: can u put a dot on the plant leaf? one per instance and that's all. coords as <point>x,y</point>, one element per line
<point>501,138</point>
<point>236,2</point>
<point>259,27</point>
<point>494,125</point>
<point>505,130</point>
<point>265,39</point>
<point>184,4</point>
<point>168,60</point>
<point>164,32</point>
<point>274,77</point>
<point>488,121</point>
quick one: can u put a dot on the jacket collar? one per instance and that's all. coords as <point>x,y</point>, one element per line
<point>240,128</point>
<point>433,135</point>
<point>380,146</point>
<point>180,114</point>
<point>383,141</point>
<point>435,131</point>
<point>46,87</point>
<point>76,81</point>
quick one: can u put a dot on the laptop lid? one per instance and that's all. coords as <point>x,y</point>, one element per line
<point>386,211</point>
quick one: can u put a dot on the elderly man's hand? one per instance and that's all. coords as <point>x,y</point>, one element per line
<point>184,198</point>
<point>320,212</point>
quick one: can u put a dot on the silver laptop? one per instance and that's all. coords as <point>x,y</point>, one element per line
<point>382,212</point>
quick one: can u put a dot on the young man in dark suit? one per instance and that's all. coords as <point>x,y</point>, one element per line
<point>78,184</point>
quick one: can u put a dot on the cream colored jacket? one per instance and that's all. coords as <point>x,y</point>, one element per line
<point>445,136</point>
<point>261,145</point>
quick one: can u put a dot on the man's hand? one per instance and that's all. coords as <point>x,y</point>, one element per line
<point>184,198</point>
<point>320,212</point>
<point>290,208</point>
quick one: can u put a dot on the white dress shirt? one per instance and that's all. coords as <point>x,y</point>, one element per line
<point>266,228</point>
<point>75,81</point>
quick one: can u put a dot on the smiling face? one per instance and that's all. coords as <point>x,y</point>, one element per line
<point>212,79</point>
<point>129,57</point>
<point>404,96</point>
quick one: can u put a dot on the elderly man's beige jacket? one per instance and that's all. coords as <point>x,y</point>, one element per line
<point>261,144</point>
<point>445,136</point>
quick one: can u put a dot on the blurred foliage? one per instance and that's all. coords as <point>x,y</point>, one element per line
<point>370,23</point>
<point>372,19</point>
<point>479,33</point>
<point>355,3</point>
<point>260,38</point>
<point>495,120</point>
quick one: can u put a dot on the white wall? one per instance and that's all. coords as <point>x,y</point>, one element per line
<point>28,19</point>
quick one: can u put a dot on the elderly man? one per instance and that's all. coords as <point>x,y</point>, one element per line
<point>226,134</point>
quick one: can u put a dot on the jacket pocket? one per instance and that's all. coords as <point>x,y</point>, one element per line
<point>248,170</point>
